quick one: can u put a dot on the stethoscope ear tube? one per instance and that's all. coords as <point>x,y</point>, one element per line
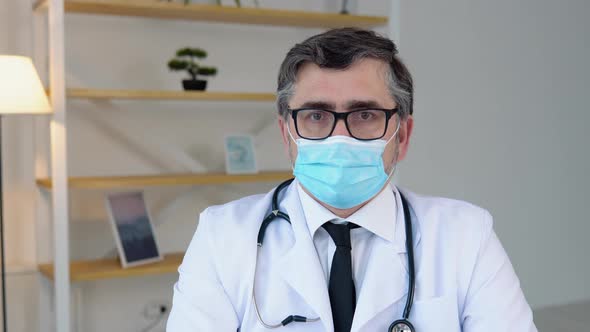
<point>275,195</point>
<point>275,213</point>
<point>410,252</point>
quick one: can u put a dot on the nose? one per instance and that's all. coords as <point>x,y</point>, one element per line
<point>340,128</point>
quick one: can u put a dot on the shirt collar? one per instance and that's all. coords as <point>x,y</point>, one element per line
<point>379,216</point>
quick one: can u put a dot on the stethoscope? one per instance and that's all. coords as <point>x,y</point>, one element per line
<point>400,325</point>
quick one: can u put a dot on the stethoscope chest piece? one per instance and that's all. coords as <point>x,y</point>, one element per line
<point>401,325</point>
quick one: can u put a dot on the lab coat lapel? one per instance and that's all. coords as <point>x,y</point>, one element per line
<point>400,236</point>
<point>386,278</point>
<point>300,266</point>
<point>384,284</point>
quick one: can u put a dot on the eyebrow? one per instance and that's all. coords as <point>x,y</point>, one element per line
<point>323,105</point>
<point>350,105</point>
<point>360,104</point>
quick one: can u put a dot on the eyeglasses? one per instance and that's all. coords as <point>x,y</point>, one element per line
<point>363,124</point>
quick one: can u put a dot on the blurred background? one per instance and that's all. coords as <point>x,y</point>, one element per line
<point>501,112</point>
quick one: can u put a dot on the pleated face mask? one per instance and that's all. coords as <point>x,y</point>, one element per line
<point>341,171</point>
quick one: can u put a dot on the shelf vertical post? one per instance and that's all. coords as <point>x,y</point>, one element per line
<point>59,166</point>
<point>394,22</point>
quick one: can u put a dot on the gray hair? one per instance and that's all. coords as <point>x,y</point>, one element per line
<point>339,49</point>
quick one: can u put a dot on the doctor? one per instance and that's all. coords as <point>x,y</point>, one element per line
<point>356,254</point>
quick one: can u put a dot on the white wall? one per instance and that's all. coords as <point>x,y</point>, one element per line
<point>501,120</point>
<point>498,106</point>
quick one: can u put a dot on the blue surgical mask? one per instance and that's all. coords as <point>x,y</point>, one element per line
<point>341,171</point>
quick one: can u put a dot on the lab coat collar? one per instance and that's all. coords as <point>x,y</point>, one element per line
<point>378,216</point>
<point>300,266</point>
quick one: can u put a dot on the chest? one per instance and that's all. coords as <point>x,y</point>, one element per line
<point>291,280</point>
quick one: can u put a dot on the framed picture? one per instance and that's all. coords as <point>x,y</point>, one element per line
<point>133,229</point>
<point>239,155</point>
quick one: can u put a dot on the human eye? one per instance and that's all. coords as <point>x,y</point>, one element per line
<point>365,115</point>
<point>316,115</point>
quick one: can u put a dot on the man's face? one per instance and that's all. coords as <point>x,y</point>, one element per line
<point>363,83</point>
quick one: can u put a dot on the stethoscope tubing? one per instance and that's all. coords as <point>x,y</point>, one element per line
<point>277,214</point>
<point>410,252</point>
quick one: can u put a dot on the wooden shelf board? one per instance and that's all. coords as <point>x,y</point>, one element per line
<point>214,13</point>
<point>167,95</point>
<point>166,180</point>
<point>111,268</point>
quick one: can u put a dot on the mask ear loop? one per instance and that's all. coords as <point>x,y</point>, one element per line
<point>290,135</point>
<point>295,142</point>
<point>390,175</point>
<point>394,133</point>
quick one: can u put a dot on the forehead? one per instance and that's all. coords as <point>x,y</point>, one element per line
<point>363,80</point>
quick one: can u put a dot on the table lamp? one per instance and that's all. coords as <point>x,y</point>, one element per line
<point>21,92</point>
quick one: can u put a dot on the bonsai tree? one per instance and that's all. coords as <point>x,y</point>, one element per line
<point>185,1</point>
<point>238,3</point>
<point>185,60</point>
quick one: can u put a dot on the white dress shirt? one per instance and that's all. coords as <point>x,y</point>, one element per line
<point>376,218</point>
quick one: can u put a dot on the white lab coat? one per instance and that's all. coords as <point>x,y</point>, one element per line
<point>465,281</point>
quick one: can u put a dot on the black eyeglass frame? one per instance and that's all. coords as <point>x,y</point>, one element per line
<point>389,113</point>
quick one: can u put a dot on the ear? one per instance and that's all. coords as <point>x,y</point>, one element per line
<point>405,132</point>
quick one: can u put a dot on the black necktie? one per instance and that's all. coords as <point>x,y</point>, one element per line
<point>341,286</point>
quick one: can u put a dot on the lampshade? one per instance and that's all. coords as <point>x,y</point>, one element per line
<point>21,91</point>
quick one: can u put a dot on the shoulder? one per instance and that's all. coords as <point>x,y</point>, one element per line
<point>237,206</point>
<point>450,218</point>
<point>230,231</point>
<point>236,216</point>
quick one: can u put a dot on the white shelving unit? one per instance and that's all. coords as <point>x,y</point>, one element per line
<point>62,271</point>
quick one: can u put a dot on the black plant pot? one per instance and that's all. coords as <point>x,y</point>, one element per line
<point>198,85</point>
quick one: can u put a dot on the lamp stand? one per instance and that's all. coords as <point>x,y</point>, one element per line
<point>2,236</point>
